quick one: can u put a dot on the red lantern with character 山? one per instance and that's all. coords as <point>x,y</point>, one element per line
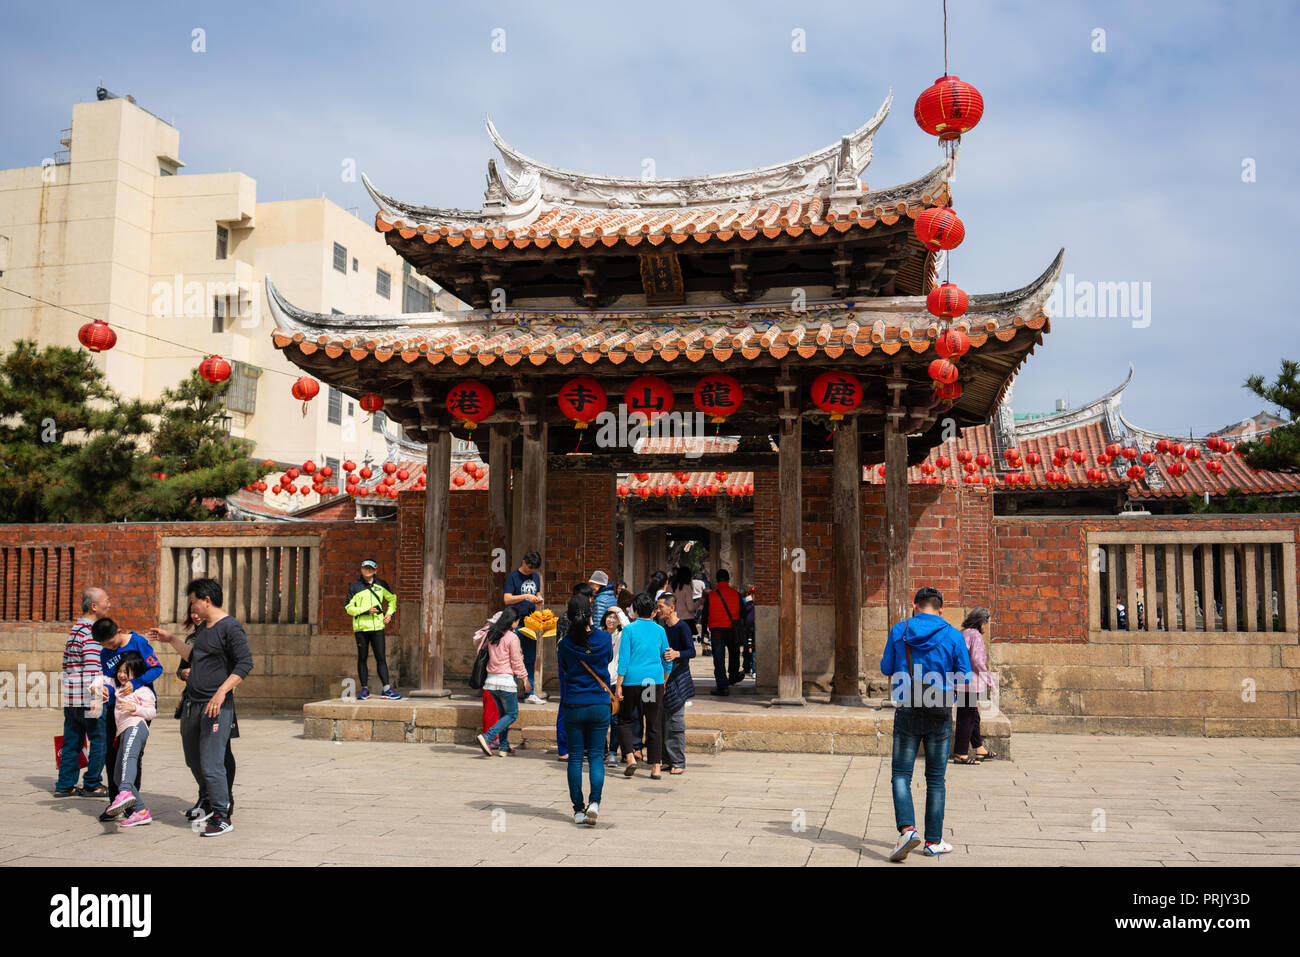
<point>648,395</point>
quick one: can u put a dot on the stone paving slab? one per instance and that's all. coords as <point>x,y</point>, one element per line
<point>1167,801</point>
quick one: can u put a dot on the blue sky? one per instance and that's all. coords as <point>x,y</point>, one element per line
<point>1130,158</point>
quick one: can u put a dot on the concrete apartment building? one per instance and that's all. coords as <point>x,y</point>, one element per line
<point>110,229</point>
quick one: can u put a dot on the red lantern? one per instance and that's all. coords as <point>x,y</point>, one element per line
<point>349,466</point>
<point>642,476</point>
<point>305,389</point>
<point>308,467</point>
<point>1162,446</point>
<point>1212,443</point>
<point>1176,449</point>
<point>215,369</point>
<point>326,471</point>
<point>389,468</point>
<point>471,402</point>
<point>304,490</point>
<point>1113,449</point>
<point>458,481</point>
<point>675,490</point>
<point>990,480</point>
<point>947,301</point>
<point>939,228</point>
<point>582,399</point>
<point>403,475</point>
<point>969,479</point>
<point>970,467</point>
<point>720,476</point>
<point>1239,449</point>
<point>880,470</point>
<point>657,491</point>
<point>927,468</point>
<point>1135,472</point>
<point>260,485</point>
<point>942,461</point>
<point>648,395</point>
<point>371,402</point>
<point>1130,453</point>
<point>964,456</point>
<point>943,371</point>
<point>983,460</point>
<point>718,395</point>
<point>352,479</point>
<point>1079,457</point>
<point>97,336</point>
<point>952,344</point>
<point>836,393</point>
<point>389,481</point>
<point>948,108</point>
<point>1032,458</point>
<point>292,473</point>
<point>749,488</point>
<point>1010,455</point>
<point>1214,467</point>
<point>622,490</point>
<point>643,492</point>
<point>1193,453</point>
<point>711,488</point>
<point>362,491</point>
<point>1104,459</point>
<point>366,472</point>
<point>275,489</point>
<point>947,393</point>
<point>681,476</point>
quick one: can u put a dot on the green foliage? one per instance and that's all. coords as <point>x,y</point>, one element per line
<point>1279,451</point>
<point>73,450</point>
<point>1236,503</point>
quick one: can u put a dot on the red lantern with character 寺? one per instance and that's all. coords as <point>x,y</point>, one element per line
<point>471,402</point>
<point>718,395</point>
<point>582,399</point>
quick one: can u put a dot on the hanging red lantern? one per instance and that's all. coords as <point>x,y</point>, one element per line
<point>352,480</point>
<point>622,490</point>
<point>1146,458</point>
<point>939,228</point>
<point>943,371</point>
<point>1240,449</point>
<point>1130,453</point>
<point>1212,443</point>
<point>390,481</point>
<point>952,344</point>
<point>1135,472</point>
<point>990,480</point>
<point>1113,449</point>
<point>305,389</point>
<point>371,402</point>
<point>942,461</point>
<point>304,490</point>
<point>1176,449</point>
<point>97,336</point>
<point>970,467</point>
<point>643,492</point>
<point>326,471</point>
<point>471,402</point>
<point>969,479</point>
<point>642,476</point>
<point>947,393</point>
<point>983,460</point>
<point>349,466</point>
<point>681,476</point>
<point>1104,458</point>
<point>292,473</point>
<point>1079,457</point>
<point>403,475</point>
<point>880,470</point>
<point>308,467</point>
<point>927,468</point>
<point>1162,446</point>
<point>582,399</point>
<point>711,488</point>
<point>215,369</point>
<point>648,395</point>
<point>675,490</point>
<point>389,468</point>
<point>458,481</point>
<point>1010,455</point>
<point>1215,467</point>
<point>718,395</point>
<point>362,491</point>
<point>964,456</point>
<point>836,393</point>
<point>720,476</point>
<point>1032,458</point>
<point>948,108</point>
<point>275,489</point>
<point>1193,453</point>
<point>366,472</point>
<point>749,488</point>
<point>657,490</point>
<point>947,301</point>
<point>260,485</point>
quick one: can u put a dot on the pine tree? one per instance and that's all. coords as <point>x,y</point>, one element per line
<point>1279,451</point>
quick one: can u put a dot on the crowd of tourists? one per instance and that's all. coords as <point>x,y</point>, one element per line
<point>623,667</point>
<point>110,701</point>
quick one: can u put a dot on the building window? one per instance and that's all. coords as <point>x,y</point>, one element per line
<point>218,315</point>
<point>415,298</point>
<point>377,422</point>
<point>223,241</point>
<point>354,263</point>
<point>340,258</point>
<point>383,284</point>
<point>335,406</point>
<point>333,464</point>
<point>241,396</point>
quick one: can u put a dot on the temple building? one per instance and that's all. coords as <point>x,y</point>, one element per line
<point>773,276</point>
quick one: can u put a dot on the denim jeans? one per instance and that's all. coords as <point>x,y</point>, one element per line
<point>913,728</point>
<point>529,648</point>
<point>76,729</point>
<point>561,741</point>
<point>507,703</point>
<point>585,726</point>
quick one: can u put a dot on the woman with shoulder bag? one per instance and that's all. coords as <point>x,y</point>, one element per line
<point>582,657</point>
<point>967,731</point>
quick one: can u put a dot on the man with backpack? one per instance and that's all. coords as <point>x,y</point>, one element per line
<point>366,598</point>
<point>721,618</point>
<point>924,659</point>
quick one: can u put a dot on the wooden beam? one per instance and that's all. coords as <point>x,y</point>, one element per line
<point>898,531</point>
<point>434,594</point>
<point>789,679</point>
<point>498,512</point>
<point>846,572</point>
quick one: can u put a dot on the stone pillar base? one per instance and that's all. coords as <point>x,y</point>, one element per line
<point>429,693</point>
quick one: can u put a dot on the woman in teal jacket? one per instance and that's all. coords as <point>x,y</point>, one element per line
<point>641,667</point>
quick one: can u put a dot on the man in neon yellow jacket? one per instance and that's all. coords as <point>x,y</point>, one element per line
<point>366,598</point>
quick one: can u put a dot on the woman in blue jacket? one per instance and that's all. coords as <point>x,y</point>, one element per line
<point>583,656</point>
<point>642,666</point>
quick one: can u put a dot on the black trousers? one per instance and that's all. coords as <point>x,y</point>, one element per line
<point>651,699</point>
<point>747,649</point>
<point>726,641</point>
<point>110,755</point>
<point>967,731</point>
<point>365,641</point>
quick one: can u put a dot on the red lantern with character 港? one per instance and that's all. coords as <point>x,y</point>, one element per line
<point>718,395</point>
<point>649,396</point>
<point>948,108</point>
<point>471,402</point>
<point>836,393</point>
<point>582,399</point>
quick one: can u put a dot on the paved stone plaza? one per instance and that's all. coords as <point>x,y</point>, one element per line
<point>1171,801</point>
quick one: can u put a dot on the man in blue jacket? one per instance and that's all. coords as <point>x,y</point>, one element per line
<point>114,644</point>
<point>925,657</point>
<point>606,594</point>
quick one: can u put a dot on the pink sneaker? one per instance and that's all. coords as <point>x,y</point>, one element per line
<point>121,804</point>
<point>141,816</point>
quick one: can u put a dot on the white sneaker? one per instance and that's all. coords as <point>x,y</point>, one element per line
<point>611,758</point>
<point>593,811</point>
<point>579,818</point>
<point>934,850</point>
<point>906,842</point>
<point>533,699</point>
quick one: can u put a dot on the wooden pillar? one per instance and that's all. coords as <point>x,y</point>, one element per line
<point>789,678</point>
<point>846,569</point>
<point>533,501</point>
<point>498,514</point>
<point>629,547</point>
<point>434,595</point>
<point>898,531</point>
<point>726,553</point>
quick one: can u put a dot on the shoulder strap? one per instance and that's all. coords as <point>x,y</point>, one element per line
<point>613,700</point>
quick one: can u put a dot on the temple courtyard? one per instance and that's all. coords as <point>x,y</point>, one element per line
<point>1062,800</point>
